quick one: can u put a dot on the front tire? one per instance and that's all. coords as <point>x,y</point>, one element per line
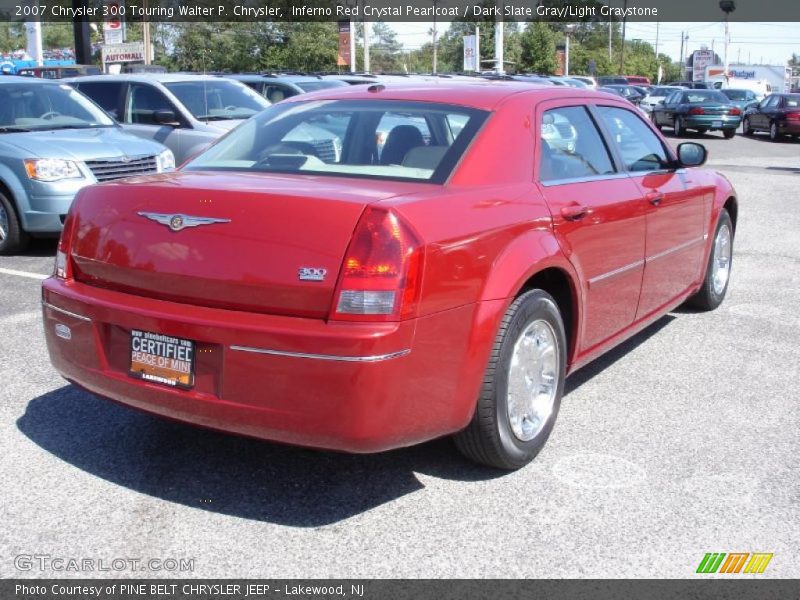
<point>13,238</point>
<point>718,269</point>
<point>746,129</point>
<point>522,386</point>
<point>654,121</point>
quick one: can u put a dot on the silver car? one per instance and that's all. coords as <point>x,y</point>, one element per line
<point>184,112</point>
<point>53,142</point>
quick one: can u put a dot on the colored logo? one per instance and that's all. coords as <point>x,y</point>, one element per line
<point>734,562</point>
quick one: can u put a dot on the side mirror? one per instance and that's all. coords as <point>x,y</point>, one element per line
<point>660,103</point>
<point>165,117</point>
<point>691,154</point>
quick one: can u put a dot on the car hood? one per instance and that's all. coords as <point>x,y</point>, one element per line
<point>80,144</point>
<point>226,125</point>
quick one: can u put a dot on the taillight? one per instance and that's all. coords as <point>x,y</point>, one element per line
<point>793,116</point>
<point>735,111</point>
<point>382,270</point>
<point>63,268</point>
<point>697,110</point>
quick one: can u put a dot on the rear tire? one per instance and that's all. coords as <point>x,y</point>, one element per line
<point>774,135</point>
<point>522,386</point>
<point>678,128</point>
<point>702,131</point>
<point>718,268</point>
<point>729,133</point>
<point>12,237</point>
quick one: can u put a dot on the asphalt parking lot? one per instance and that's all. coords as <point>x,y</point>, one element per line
<point>680,442</point>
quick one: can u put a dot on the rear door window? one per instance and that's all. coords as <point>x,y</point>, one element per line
<point>571,146</point>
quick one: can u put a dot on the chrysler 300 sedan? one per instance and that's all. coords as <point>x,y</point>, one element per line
<point>376,297</point>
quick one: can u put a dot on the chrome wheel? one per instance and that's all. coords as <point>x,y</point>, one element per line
<point>721,263</point>
<point>3,223</point>
<point>533,380</point>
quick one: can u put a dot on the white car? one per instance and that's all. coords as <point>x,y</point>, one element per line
<point>657,95</point>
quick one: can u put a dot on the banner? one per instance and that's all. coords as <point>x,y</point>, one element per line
<point>343,59</point>
<point>472,58</point>
<point>123,53</point>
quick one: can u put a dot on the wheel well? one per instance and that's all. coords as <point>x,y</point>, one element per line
<point>6,191</point>
<point>556,282</point>
<point>733,209</point>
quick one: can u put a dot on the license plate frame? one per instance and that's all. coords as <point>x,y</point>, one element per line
<point>716,123</point>
<point>162,359</point>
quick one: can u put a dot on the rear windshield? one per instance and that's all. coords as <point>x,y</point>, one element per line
<point>700,96</point>
<point>380,139</point>
<point>313,86</point>
<point>736,94</point>
<point>663,91</point>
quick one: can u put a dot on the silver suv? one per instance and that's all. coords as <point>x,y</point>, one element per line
<point>184,112</point>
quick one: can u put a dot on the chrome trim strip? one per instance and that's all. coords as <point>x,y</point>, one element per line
<point>677,248</point>
<point>585,179</point>
<point>374,358</point>
<point>66,312</point>
<point>615,272</point>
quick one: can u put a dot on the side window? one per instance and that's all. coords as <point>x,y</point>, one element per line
<point>640,148</point>
<point>104,94</point>
<point>771,102</point>
<point>143,102</point>
<point>571,146</point>
<point>275,93</point>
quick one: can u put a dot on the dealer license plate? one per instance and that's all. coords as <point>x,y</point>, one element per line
<point>716,123</point>
<point>162,359</point>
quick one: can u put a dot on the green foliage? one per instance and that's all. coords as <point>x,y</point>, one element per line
<point>538,49</point>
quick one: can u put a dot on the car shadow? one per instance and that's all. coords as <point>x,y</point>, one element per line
<point>603,362</point>
<point>244,477</point>
<point>41,247</point>
<point>229,474</point>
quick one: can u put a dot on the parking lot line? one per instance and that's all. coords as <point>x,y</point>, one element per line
<point>27,274</point>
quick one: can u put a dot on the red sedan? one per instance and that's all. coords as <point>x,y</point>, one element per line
<point>367,268</point>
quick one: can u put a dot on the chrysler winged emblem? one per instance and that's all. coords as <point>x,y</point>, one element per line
<point>176,222</point>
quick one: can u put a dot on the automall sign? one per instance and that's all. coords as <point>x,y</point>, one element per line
<point>122,53</point>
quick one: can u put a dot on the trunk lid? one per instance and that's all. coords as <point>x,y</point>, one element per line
<point>270,227</point>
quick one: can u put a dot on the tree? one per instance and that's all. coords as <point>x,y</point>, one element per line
<point>385,50</point>
<point>538,49</point>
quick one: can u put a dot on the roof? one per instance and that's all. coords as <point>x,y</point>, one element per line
<point>480,94</point>
<point>160,77</point>
<point>27,79</point>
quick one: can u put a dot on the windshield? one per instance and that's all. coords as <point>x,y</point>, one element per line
<point>216,100</point>
<point>736,94</point>
<point>37,107</point>
<point>313,86</point>
<point>380,139</point>
<point>700,96</point>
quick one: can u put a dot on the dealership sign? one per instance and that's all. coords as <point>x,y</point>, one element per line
<point>702,59</point>
<point>123,53</point>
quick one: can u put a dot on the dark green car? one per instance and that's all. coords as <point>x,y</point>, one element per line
<point>701,110</point>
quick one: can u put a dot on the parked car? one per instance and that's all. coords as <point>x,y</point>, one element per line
<point>760,88</point>
<point>693,85</point>
<point>184,112</point>
<point>605,80</point>
<point>701,110</point>
<point>629,92</point>
<point>366,302</point>
<point>53,142</point>
<point>59,72</point>
<point>656,96</point>
<point>589,81</point>
<point>637,80</point>
<point>279,87</point>
<point>777,114</point>
<point>743,99</point>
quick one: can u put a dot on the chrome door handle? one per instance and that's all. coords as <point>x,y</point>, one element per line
<point>655,198</point>
<point>574,212</point>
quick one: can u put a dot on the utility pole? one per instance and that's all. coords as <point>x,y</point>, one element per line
<point>609,40</point>
<point>367,32</point>
<point>657,22</point>
<point>148,58</point>
<point>498,41</point>
<point>622,53</point>
<point>435,48</point>
<point>684,37</point>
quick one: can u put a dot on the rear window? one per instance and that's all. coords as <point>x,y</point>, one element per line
<point>322,84</point>
<point>700,96</point>
<point>416,141</point>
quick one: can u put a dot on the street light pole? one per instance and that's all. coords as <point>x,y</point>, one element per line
<point>727,6</point>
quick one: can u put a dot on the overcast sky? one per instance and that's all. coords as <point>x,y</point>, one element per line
<point>752,43</point>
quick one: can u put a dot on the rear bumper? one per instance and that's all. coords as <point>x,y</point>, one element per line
<point>708,121</point>
<point>789,127</point>
<point>354,387</point>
